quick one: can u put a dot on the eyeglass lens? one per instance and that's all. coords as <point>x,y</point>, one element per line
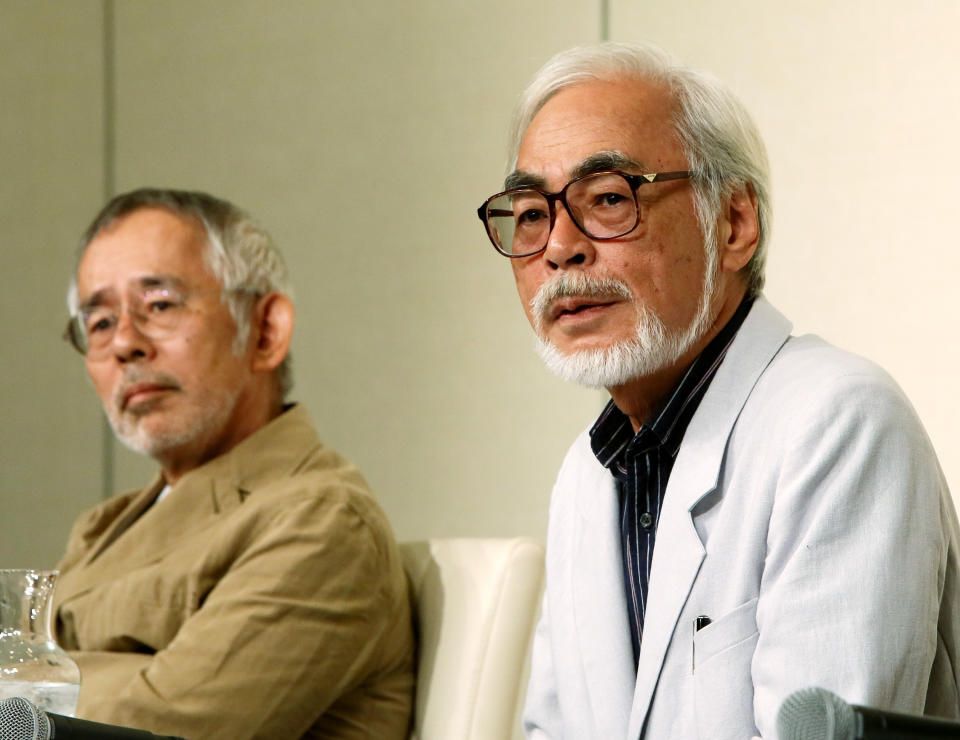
<point>603,206</point>
<point>155,312</point>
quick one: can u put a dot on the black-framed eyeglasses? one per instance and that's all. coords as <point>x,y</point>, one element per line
<point>603,205</point>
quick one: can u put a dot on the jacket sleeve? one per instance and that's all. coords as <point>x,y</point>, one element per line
<point>307,606</point>
<point>857,549</point>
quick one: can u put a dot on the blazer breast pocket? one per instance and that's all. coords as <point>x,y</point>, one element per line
<point>723,686</point>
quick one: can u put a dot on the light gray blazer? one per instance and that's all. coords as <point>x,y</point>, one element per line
<point>806,515</point>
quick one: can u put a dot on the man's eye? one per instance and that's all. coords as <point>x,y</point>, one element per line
<point>609,200</point>
<point>161,300</point>
<point>98,323</point>
<point>530,216</point>
<point>160,305</point>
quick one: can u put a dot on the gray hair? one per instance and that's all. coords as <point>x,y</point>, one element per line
<point>240,254</point>
<point>718,137</point>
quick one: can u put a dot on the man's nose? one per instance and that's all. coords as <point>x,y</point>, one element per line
<point>129,342</point>
<point>567,245</point>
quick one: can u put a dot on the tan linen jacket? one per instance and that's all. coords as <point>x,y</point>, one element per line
<point>263,597</point>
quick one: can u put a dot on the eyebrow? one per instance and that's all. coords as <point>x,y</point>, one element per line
<point>161,281</point>
<point>99,297</point>
<point>597,162</point>
<point>604,161</point>
<point>522,179</point>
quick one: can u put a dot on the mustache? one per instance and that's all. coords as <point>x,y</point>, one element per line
<point>136,376</point>
<point>575,284</point>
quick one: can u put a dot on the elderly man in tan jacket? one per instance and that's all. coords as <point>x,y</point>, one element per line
<point>254,588</point>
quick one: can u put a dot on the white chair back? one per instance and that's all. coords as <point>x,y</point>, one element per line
<point>475,603</point>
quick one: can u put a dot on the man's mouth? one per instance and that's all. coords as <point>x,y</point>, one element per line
<point>141,392</point>
<point>575,298</point>
<point>576,305</point>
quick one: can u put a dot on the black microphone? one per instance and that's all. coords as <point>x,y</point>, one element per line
<point>23,720</point>
<point>816,714</point>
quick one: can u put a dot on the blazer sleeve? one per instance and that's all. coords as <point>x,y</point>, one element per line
<point>856,551</point>
<point>310,605</point>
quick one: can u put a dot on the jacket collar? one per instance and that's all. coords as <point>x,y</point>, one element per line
<point>143,532</point>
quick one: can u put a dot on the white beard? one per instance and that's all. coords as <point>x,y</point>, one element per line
<point>197,422</point>
<point>652,348</point>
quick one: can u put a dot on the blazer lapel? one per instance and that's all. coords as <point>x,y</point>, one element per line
<point>155,529</point>
<point>133,511</point>
<point>78,578</point>
<point>679,552</point>
<point>599,604</point>
<point>144,531</point>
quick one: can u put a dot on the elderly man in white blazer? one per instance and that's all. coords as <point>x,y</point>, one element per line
<point>753,513</point>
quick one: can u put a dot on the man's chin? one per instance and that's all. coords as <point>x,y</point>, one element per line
<point>139,441</point>
<point>567,347</point>
<point>610,365</point>
<point>140,432</point>
<point>142,409</point>
<point>595,367</point>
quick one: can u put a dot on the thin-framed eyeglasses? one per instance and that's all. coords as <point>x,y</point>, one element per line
<point>602,205</point>
<point>157,312</point>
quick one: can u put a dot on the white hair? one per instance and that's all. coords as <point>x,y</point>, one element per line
<point>719,139</point>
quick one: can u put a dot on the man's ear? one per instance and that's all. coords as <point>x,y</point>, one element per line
<point>271,331</point>
<point>739,230</point>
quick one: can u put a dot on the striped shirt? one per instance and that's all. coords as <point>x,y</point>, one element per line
<point>641,464</point>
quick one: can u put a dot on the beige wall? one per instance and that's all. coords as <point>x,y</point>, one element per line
<point>51,178</point>
<point>364,135</point>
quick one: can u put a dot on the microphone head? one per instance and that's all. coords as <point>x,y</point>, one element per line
<point>22,720</point>
<point>815,714</point>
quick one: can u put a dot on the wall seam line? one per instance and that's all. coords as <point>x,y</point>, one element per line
<point>108,443</point>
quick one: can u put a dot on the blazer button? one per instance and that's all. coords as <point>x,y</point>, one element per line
<point>646,521</point>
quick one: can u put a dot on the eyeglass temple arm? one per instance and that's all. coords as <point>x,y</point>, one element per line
<point>662,176</point>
